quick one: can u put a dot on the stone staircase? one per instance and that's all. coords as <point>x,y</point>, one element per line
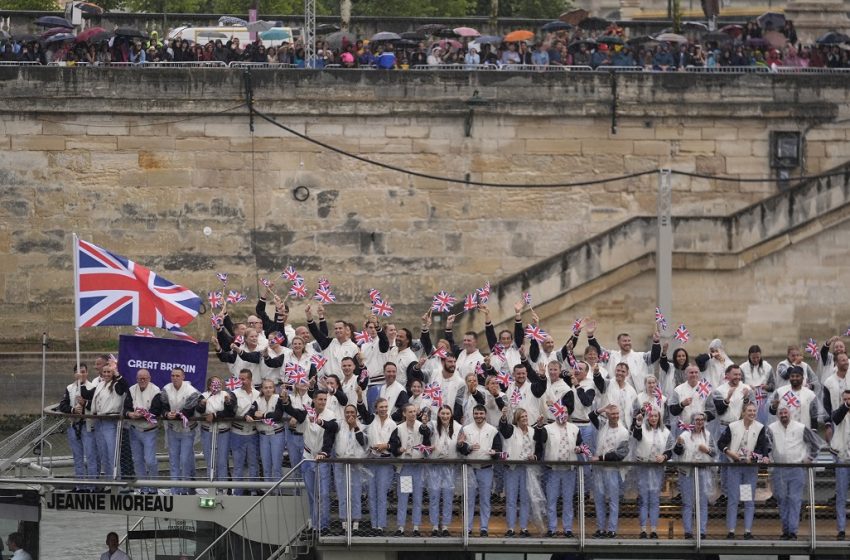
<point>718,243</point>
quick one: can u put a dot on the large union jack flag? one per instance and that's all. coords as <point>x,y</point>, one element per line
<point>113,290</point>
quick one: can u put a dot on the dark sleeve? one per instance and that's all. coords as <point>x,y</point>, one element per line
<point>569,401</point>
<point>591,340</point>
<point>275,362</point>
<point>594,419</point>
<point>223,336</point>
<point>397,416</point>
<point>675,409</point>
<point>701,361</point>
<point>519,333</point>
<point>323,326</point>
<point>824,353</point>
<point>331,428</point>
<point>497,447</point>
<point>383,342</point>
<point>121,386</point>
<point>479,397</point>
<point>839,414</point>
<point>664,364</point>
<point>490,332</point>
<point>464,448</point>
<point>227,356</point>
<point>229,410</point>
<point>360,437</point>
<point>678,449</point>
<point>457,411</point>
<point>425,341</point>
<point>227,323</point>
<point>599,382</point>
<point>533,351</point>
<point>414,373</point>
<point>585,396</point>
<point>299,414</point>
<point>322,338</point>
<point>251,357</point>
<point>505,428</point>
<point>65,404</point>
<point>541,436</point>
<point>402,399</point>
<point>128,404</point>
<point>827,403</point>
<point>260,310</point>
<point>538,383</point>
<point>191,402</point>
<point>252,409</point>
<point>655,352</point>
<point>720,405</point>
<point>762,443</point>
<point>455,348</point>
<point>725,440</point>
<point>277,413</point>
<point>637,431</point>
<point>500,402</point>
<point>395,443</point>
<point>814,414</point>
<point>341,397</point>
<point>364,413</point>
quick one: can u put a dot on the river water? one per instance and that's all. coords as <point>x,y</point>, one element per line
<point>78,536</point>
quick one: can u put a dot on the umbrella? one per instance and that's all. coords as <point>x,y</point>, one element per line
<point>573,17</point>
<point>699,26</point>
<point>54,21</point>
<point>445,33</point>
<point>466,32</point>
<point>733,30</point>
<point>611,40</point>
<point>60,37</point>
<point>52,32</point>
<point>776,39</point>
<point>671,38</point>
<point>87,35</point>
<point>89,8</point>
<point>833,38</point>
<point>413,36</point>
<point>429,28</point>
<point>385,36</point>
<point>232,20</point>
<point>771,20</point>
<point>326,28</point>
<point>445,43</point>
<point>489,40</point>
<point>276,34</point>
<point>207,34</point>
<point>335,40</point>
<point>556,26</point>
<point>757,42</point>
<point>576,45</point>
<point>716,37</point>
<point>133,32</point>
<point>519,35</point>
<point>406,43</point>
<point>25,37</point>
<point>642,40</point>
<point>259,26</point>
<point>594,23</point>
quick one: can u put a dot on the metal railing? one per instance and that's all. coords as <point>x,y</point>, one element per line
<point>669,507</point>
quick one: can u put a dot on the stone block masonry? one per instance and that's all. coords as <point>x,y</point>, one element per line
<point>141,160</point>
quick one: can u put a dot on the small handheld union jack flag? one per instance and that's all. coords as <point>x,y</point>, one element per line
<point>577,326</point>
<point>760,395</point>
<point>682,334</point>
<point>704,388</point>
<point>267,283</point>
<point>298,290</point>
<point>516,397</point>
<point>470,302</point>
<point>216,321</point>
<point>324,295</point>
<point>499,351</point>
<point>504,378</point>
<point>235,297</point>
<point>526,298</point>
<point>362,337</point>
<point>319,361</point>
<point>812,347</point>
<point>382,308</point>
<point>374,294</point>
<point>502,455</point>
<point>146,332</point>
<point>276,339</point>
<point>443,302</point>
<point>432,390</point>
<point>559,411</point>
<point>659,396</point>
<point>364,375</point>
<point>533,332</point>
<point>222,276</point>
<point>425,450</point>
<point>660,320</point>
<point>295,373</point>
<point>289,274</point>
<point>324,282</point>
<point>484,293</point>
<point>214,299</point>
<point>791,399</point>
<point>684,426</point>
<point>847,332</point>
<point>604,357</point>
<point>268,421</point>
<point>571,359</point>
<point>584,449</point>
<point>440,352</point>
<point>239,340</point>
<point>479,370</point>
<point>233,383</point>
<point>311,412</point>
<point>147,415</point>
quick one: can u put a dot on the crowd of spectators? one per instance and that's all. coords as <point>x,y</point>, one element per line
<point>740,46</point>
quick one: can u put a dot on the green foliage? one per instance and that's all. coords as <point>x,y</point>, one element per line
<point>43,5</point>
<point>538,9</point>
<point>272,7</point>
<point>414,8</point>
<point>158,6</point>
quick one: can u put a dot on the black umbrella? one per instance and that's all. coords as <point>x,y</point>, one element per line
<point>24,37</point>
<point>406,43</point>
<point>641,40</point>
<point>232,20</point>
<point>833,38</point>
<point>489,40</point>
<point>576,45</point>
<point>699,26</point>
<point>771,20</point>
<point>384,36</point>
<point>611,40</point>
<point>89,8</point>
<point>757,42</point>
<point>129,32</point>
<point>413,36</point>
<point>335,40</point>
<point>429,28</point>
<point>556,26</point>
<point>54,21</point>
<point>326,28</point>
<point>594,24</point>
<point>716,37</point>
<point>445,33</point>
<point>60,37</point>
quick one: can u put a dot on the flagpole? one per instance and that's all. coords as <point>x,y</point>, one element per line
<point>77,299</point>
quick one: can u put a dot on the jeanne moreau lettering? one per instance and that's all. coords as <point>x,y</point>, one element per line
<point>107,502</point>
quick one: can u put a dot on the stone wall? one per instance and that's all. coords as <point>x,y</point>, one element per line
<point>140,161</point>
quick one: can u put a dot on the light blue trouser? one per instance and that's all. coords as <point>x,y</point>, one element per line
<point>90,451</point>
<point>105,432</point>
<point>379,487</point>
<point>588,436</point>
<point>650,480</point>
<point>244,448</point>
<point>441,486</point>
<point>373,393</point>
<point>842,481</point>
<point>686,488</point>
<point>606,491</point>
<point>317,476</point>
<point>560,483</point>
<point>788,487</point>
<point>735,478</point>
<point>416,474</point>
<point>143,445</point>
<point>222,447</point>
<point>181,454</point>
<point>342,491</point>
<point>295,447</point>
<point>271,454</point>
<point>482,484</point>
<point>75,442</point>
